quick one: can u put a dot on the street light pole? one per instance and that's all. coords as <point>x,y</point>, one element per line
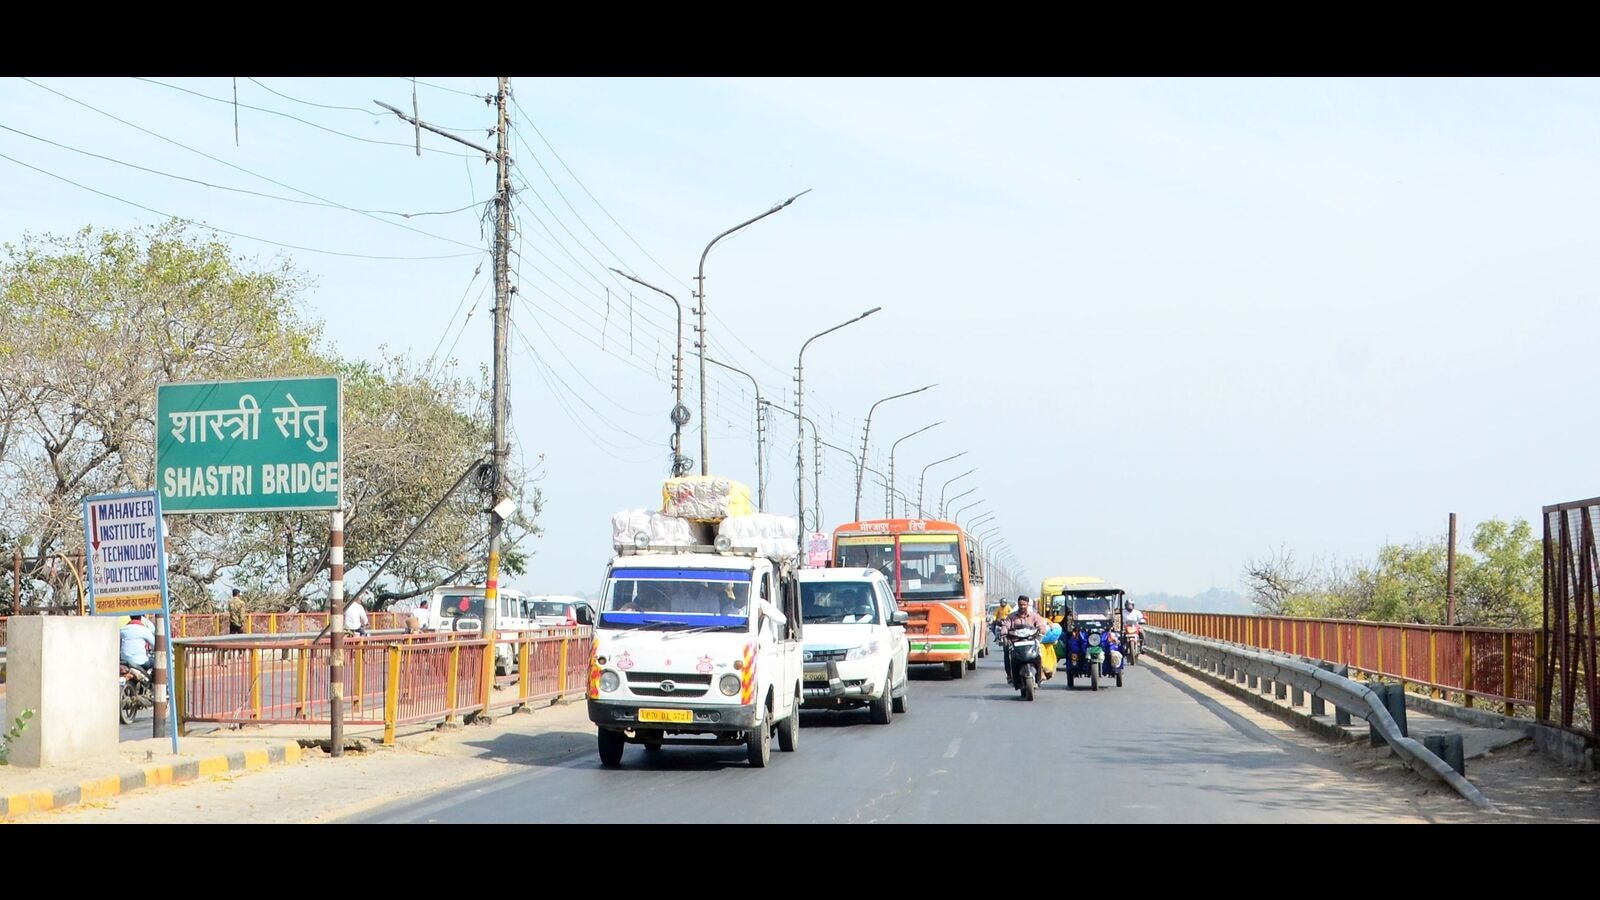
<point>700,295</point>
<point>892,448</point>
<point>680,413</point>
<point>956,516</point>
<point>983,518</point>
<point>816,471</point>
<point>800,421</point>
<point>958,496</point>
<point>761,438</point>
<point>924,478</point>
<point>865,432</point>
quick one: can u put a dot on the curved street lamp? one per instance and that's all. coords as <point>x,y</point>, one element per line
<point>761,440</point>
<point>865,432</point>
<point>893,447</point>
<point>983,518</point>
<point>680,413</point>
<point>956,516</point>
<point>958,496</point>
<point>922,480</point>
<point>701,296</point>
<point>800,420</point>
<point>954,498</point>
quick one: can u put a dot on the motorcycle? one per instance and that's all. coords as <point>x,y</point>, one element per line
<point>136,693</point>
<point>1134,645</point>
<point>1024,664</point>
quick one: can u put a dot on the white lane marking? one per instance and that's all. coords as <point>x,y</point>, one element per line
<point>953,749</point>
<point>972,718</point>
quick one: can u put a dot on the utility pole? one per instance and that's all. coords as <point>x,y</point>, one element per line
<point>1450,577</point>
<point>500,506</point>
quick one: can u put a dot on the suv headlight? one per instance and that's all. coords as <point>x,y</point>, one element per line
<point>609,681</point>
<point>870,648</point>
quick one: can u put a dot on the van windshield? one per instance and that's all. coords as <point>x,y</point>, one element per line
<point>825,602</point>
<point>461,606</point>
<point>547,608</point>
<point>669,598</point>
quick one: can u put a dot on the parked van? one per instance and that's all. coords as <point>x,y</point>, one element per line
<point>461,608</point>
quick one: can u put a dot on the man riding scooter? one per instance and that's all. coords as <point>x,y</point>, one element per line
<point>1024,617</point>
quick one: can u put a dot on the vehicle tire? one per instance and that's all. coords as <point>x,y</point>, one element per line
<point>972,665</point>
<point>611,744</point>
<point>1119,679</point>
<point>789,730</point>
<point>652,740</point>
<point>1094,677</point>
<point>956,669</point>
<point>882,714</point>
<point>128,703</point>
<point>1029,684</point>
<point>899,704</point>
<point>758,744</point>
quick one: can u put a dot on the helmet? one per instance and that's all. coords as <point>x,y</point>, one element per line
<point>1128,606</point>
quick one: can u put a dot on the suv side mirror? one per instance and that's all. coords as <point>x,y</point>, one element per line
<point>899,617</point>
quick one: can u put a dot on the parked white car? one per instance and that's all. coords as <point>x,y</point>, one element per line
<point>855,642</point>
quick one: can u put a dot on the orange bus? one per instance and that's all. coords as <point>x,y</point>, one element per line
<point>937,579</point>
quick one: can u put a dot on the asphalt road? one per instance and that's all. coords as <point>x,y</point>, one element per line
<point>967,751</point>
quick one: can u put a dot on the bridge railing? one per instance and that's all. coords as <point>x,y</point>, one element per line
<point>1499,665</point>
<point>389,679</point>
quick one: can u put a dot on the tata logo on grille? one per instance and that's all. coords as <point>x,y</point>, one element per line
<point>809,654</point>
<point>668,687</point>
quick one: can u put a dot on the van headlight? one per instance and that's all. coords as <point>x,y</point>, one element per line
<point>729,685</point>
<point>609,681</point>
<point>870,648</point>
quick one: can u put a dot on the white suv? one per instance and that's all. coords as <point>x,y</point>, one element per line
<point>855,642</point>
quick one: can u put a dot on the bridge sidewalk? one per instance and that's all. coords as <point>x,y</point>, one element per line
<point>207,753</point>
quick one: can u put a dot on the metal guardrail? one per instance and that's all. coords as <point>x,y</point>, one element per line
<point>1345,694</point>
<point>1499,665</point>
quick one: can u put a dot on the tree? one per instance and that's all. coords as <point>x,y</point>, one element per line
<point>1274,580</point>
<point>92,323</point>
<point>1503,586</point>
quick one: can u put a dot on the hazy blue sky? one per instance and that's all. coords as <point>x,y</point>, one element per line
<point>1174,322</point>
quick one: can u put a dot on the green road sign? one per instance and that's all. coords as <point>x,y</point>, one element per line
<point>268,445</point>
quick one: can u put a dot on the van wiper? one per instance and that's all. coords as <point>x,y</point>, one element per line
<point>699,629</point>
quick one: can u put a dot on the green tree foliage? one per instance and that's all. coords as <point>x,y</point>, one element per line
<point>1498,587</point>
<point>90,324</point>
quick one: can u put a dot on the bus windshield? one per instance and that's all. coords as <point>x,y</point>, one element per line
<point>920,566</point>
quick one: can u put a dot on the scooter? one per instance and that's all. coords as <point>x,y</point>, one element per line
<point>136,693</point>
<point>1023,660</point>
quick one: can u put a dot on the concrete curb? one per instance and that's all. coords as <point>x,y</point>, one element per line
<point>1430,765</point>
<point>91,789</point>
<point>1480,717</point>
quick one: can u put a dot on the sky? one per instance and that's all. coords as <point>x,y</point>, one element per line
<point>1173,323</point>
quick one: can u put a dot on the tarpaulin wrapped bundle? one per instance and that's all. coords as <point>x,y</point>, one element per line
<point>770,535</point>
<point>661,530</point>
<point>705,498</point>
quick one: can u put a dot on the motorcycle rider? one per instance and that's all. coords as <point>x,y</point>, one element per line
<point>1130,615</point>
<point>1024,617</point>
<point>137,641</point>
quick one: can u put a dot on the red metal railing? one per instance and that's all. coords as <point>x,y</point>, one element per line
<point>394,679</point>
<point>1467,662</point>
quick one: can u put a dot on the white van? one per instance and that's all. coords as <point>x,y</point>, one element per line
<point>856,652</point>
<point>697,646</point>
<point>460,608</point>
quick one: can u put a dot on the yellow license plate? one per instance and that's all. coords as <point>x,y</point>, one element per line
<point>817,676</point>
<point>666,715</point>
